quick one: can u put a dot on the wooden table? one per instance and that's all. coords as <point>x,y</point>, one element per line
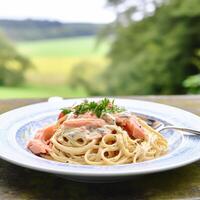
<point>183,183</point>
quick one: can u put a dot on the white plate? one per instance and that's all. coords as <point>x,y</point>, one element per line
<point>19,125</point>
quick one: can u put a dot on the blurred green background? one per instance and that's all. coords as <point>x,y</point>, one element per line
<point>152,47</point>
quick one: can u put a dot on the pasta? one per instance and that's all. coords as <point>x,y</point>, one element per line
<point>109,137</point>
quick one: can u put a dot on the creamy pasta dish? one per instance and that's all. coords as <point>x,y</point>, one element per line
<point>98,133</point>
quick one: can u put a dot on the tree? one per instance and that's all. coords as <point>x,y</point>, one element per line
<point>86,75</point>
<point>12,64</point>
<point>156,54</point>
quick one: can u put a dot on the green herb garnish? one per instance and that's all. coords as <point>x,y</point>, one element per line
<point>98,108</point>
<point>66,111</point>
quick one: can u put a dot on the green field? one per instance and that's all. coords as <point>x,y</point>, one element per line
<point>35,91</point>
<point>53,61</point>
<point>68,47</point>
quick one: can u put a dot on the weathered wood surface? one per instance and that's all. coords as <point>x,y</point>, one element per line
<point>183,183</point>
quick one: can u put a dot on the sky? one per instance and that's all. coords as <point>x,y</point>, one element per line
<point>93,11</point>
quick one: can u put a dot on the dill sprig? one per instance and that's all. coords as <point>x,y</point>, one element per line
<point>66,111</point>
<point>97,108</point>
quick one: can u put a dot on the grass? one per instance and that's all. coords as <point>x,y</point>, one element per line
<point>38,91</point>
<point>54,59</point>
<point>52,71</point>
<point>67,47</point>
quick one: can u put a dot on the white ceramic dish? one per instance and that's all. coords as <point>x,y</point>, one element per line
<point>19,125</point>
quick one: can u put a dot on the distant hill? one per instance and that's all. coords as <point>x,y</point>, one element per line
<point>22,30</point>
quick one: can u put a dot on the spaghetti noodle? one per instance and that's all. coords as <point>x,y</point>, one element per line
<point>110,138</point>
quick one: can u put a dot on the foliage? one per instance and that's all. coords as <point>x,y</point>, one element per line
<point>23,30</point>
<point>192,83</point>
<point>156,54</point>
<point>12,64</point>
<point>88,75</point>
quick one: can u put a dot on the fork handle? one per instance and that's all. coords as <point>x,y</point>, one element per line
<point>181,129</point>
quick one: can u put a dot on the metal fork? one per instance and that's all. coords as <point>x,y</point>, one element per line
<point>159,126</point>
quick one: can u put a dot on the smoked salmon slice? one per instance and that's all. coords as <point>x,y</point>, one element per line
<point>84,122</point>
<point>40,142</point>
<point>131,125</point>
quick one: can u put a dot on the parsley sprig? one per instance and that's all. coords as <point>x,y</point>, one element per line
<point>98,108</point>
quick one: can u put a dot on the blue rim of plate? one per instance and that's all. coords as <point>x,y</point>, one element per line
<point>19,125</point>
